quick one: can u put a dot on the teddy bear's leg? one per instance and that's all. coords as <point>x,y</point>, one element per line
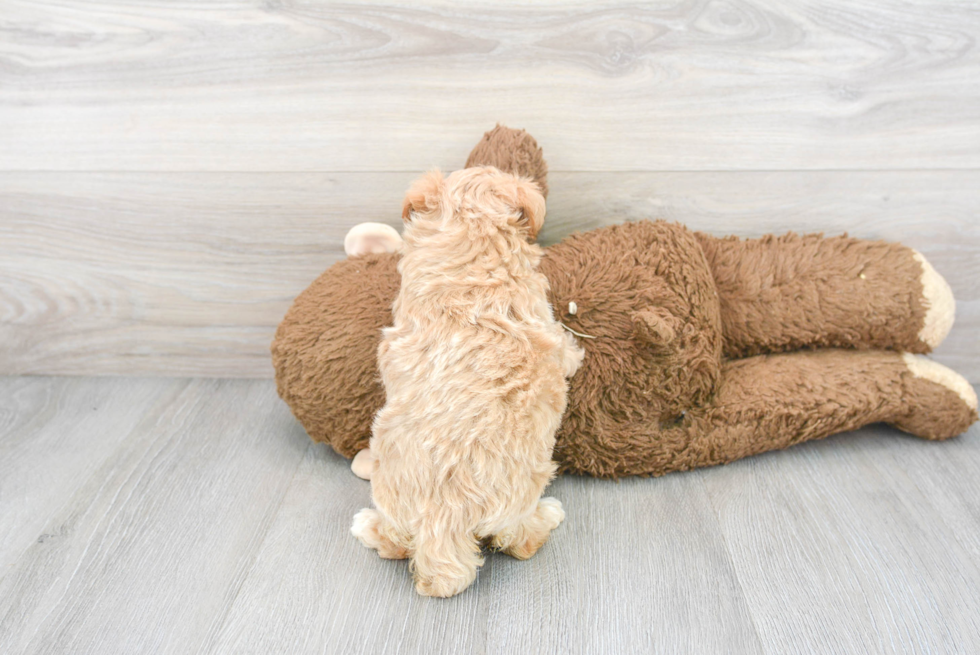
<point>376,238</point>
<point>524,539</point>
<point>374,531</point>
<point>775,401</point>
<point>792,292</point>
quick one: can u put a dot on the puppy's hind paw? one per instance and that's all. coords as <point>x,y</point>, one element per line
<point>551,512</point>
<point>525,539</point>
<point>370,529</point>
<point>365,526</point>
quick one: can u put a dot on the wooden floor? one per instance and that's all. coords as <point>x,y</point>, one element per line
<point>195,516</point>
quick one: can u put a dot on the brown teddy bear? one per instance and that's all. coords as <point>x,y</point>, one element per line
<point>699,350</point>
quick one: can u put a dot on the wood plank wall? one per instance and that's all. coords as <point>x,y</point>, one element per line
<point>172,174</point>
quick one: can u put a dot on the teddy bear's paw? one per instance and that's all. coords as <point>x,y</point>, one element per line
<point>941,403</point>
<point>939,303</point>
<point>364,465</point>
<point>373,238</point>
<point>923,367</point>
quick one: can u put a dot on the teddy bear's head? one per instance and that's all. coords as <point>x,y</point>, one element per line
<point>640,296</point>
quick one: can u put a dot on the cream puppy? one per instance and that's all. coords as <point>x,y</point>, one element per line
<point>474,370</point>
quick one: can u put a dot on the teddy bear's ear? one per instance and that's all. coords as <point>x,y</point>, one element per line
<point>531,204</point>
<point>657,328</point>
<point>424,195</point>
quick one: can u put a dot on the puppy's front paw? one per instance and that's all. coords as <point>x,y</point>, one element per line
<point>365,464</point>
<point>573,356</point>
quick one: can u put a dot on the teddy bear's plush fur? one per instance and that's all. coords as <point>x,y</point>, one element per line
<point>699,350</point>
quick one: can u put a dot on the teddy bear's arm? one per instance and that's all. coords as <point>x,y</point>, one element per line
<point>793,292</point>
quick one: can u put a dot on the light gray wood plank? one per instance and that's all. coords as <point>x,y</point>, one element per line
<point>252,85</point>
<point>638,566</point>
<point>189,273</point>
<point>944,474</point>
<point>635,566</point>
<point>837,550</point>
<point>179,274</point>
<point>148,555</point>
<point>837,553</point>
<point>314,589</point>
<point>55,434</point>
<point>215,526</point>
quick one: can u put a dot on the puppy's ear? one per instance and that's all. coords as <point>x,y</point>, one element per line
<point>424,195</point>
<point>531,204</point>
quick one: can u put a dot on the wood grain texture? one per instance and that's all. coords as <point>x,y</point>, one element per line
<point>189,273</point>
<point>663,532</point>
<point>172,174</point>
<point>842,552</point>
<point>160,203</point>
<point>250,85</point>
<point>147,555</point>
<point>47,452</point>
<point>163,273</point>
<point>215,526</point>
<point>324,592</point>
<point>644,559</point>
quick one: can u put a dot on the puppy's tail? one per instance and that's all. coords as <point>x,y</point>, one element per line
<point>446,555</point>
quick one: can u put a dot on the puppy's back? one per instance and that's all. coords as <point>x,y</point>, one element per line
<point>472,370</point>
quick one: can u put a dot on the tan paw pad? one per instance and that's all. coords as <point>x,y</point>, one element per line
<point>923,367</point>
<point>940,305</point>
